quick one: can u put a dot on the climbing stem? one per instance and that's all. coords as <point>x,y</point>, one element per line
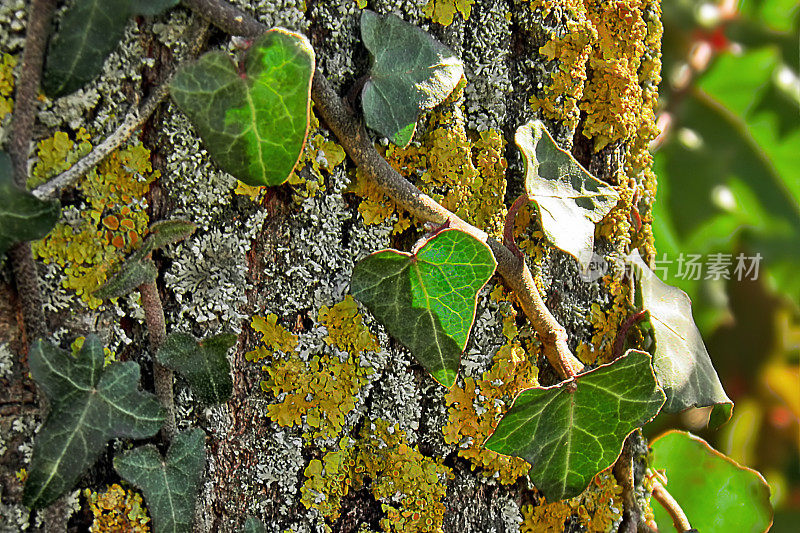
<point>353,137</point>
<point>679,519</point>
<point>622,333</point>
<point>157,333</point>
<point>511,218</point>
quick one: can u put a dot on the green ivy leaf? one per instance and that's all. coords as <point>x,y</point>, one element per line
<point>426,299</point>
<point>23,217</point>
<point>90,405</point>
<point>571,201</point>
<point>254,525</point>
<point>717,494</point>
<point>680,359</point>
<point>166,232</point>
<point>169,484</point>
<point>254,121</point>
<point>132,274</point>
<point>204,364</point>
<point>411,73</point>
<point>571,431</point>
<point>89,31</point>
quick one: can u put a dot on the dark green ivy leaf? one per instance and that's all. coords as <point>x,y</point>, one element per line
<point>411,72</point>
<point>680,359</point>
<point>571,431</point>
<point>90,405</point>
<point>204,364</point>
<point>717,494</point>
<point>571,201</point>
<point>89,32</point>
<point>23,217</point>
<point>427,299</point>
<point>254,120</point>
<point>169,484</point>
<point>254,525</point>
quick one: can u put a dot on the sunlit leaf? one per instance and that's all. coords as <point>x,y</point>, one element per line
<point>23,217</point>
<point>254,119</point>
<point>717,494</point>
<point>571,431</point>
<point>411,72</point>
<point>204,364</point>
<point>89,406</point>
<point>426,299</point>
<point>571,201</point>
<point>680,359</point>
<point>169,484</point>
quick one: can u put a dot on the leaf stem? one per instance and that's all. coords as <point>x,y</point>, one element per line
<point>356,142</point>
<point>622,334</point>
<point>137,116</point>
<point>511,218</point>
<point>662,496</point>
<point>157,333</point>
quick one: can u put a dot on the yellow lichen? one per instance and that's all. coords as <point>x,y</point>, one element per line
<point>58,153</point>
<point>321,390</point>
<point>443,11</point>
<point>7,64</point>
<point>108,356</point>
<point>117,510</point>
<point>599,508</point>
<point>273,336</point>
<point>410,486</point>
<point>112,223</point>
<point>512,371</point>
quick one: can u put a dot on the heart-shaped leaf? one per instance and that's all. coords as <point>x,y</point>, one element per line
<point>717,494</point>
<point>426,299</point>
<point>89,31</point>
<point>571,431</point>
<point>90,405</point>
<point>411,73</point>
<point>571,201</point>
<point>169,484</point>
<point>254,120</point>
<point>204,364</point>
<point>680,359</point>
<point>23,217</point>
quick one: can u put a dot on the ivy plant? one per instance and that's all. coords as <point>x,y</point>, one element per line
<point>254,118</point>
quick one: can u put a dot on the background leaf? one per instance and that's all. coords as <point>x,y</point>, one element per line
<point>88,33</point>
<point>427,299</point>
<point>569,436</point>
<point>23,217</point>
<point>170,484</point>
<point>717,494</point>
<point>680,359</point>
<point>254,124</point>
<point>203,364</point>
<point>90,406</point>
<point>133,273</point>
<point>571,201</point>
<point>411,72</point>
<point>254,525</point>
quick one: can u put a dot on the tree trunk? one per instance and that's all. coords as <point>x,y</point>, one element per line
<point>588,68</point>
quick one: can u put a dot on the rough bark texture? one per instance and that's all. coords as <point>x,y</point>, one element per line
<point>289,251</point>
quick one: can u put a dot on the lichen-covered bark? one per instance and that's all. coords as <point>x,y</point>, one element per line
<point>332,424</point>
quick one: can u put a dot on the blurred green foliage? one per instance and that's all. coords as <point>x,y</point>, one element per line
<point>728,166</point>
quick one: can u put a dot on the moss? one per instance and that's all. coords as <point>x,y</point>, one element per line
<point>599,509</point>
<point>443,11</point>
<point>110,224</point>
<point>7,64</point>
<point>117,509</point>
<point>410,486</point>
